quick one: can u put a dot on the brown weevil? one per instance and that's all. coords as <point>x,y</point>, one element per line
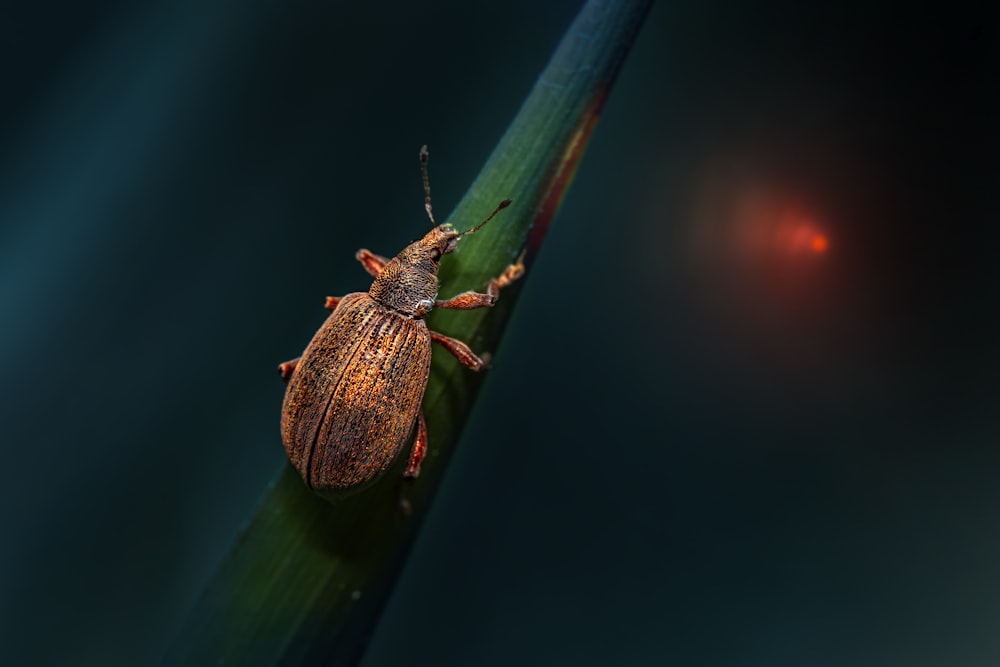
<point>353,397</point>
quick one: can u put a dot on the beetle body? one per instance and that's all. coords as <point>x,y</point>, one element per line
<point>353,397</point>
<point>355,394</point>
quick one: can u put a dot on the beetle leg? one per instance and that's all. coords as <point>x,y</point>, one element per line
<point>470,300</point>
<point>467,301</point>
<point>419,448</point>
<point>285,369</point>
<point>331,302</point>
<point>460,351</point>
<point>509,275</point>
<point>373,263</point>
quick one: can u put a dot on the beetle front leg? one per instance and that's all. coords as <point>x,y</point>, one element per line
<point>419,448</point>
<point>331,302</point>
<point>471,300</point>
<point>509,275</point>
<point>373,263</point>
<point>286,369</point>
<point>467,301</point>
<point>459,350</point>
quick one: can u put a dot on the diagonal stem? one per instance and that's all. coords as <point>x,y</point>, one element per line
<point>306,582</point>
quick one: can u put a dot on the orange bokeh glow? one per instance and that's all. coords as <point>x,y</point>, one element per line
<point>819,243</point>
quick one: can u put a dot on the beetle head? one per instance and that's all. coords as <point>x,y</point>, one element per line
<point>408,282</point>
<point>441,240</point>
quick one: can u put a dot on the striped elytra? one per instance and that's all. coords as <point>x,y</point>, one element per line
<point>355,394</point>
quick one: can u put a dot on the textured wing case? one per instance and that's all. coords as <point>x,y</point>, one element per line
<point>354,396</point>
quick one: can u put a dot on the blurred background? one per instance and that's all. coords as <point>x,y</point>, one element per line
<point>746,411</point>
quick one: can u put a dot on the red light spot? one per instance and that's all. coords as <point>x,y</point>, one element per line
<point>819,243</point>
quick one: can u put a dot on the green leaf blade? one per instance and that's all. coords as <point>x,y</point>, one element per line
<point>307,580</point>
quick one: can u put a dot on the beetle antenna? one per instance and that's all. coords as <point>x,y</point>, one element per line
<point>427,183</point>
<point>501,206</point>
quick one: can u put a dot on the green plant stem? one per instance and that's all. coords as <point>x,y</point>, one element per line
<point>307,580</point>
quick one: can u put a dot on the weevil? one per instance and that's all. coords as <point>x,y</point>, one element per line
<point>353,397</point>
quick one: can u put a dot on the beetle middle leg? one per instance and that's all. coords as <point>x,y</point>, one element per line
<point>459,350</point>
<point>471,300</point>
<point>286,369</point>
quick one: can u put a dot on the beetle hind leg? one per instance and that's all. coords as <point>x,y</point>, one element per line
<point>419,448</point>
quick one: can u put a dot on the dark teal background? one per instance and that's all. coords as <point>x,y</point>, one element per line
<point>692,450</point>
